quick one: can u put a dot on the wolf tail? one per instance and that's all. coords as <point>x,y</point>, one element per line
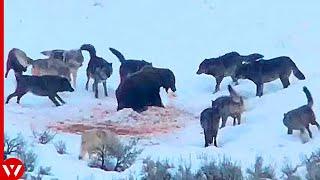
<point>296,71</point>
<point>90,48</point>
<point>309,97</point>
<point>118,54</point>
<point>235,96</point>
<point>9,62</point>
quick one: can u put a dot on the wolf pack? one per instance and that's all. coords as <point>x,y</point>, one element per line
<point>140,83</point>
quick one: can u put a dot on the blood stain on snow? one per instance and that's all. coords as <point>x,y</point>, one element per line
<point>127,122</point>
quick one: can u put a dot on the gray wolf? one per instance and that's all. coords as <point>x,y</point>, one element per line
<point>18,61</point>
<point>229,106</point>
<point>300,118</point>
<point>264,71</point>
<point>225,66</point>
<point>93,139</point>
<point>72,58</point>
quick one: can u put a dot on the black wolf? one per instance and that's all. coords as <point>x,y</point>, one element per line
<point>300,118</point>
<point>42,86</point>
<point>209,120</point>
<point>98,69</point>
<point>224,66</point>
<point>141,89</point>
<point>229,106</point>
<point>128,66</point>
<point>264,71</point>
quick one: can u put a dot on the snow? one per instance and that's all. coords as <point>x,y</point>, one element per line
<point>177,35</point>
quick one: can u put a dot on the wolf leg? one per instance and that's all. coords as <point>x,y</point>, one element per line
<point>259,89</point>
<point>285,81</point>
<point>20,96</point>
<point>74,78</point>
<point>11,96</point>
<point>218,81</point>
<point>206,137</point>
<point>95,85</point>
<point>88,78</point>
<point>52,98</point>
<point>60,99</point>
<point>105,88</point>
<point>224,121</point>
<point>290,131</point>
<point>215,141</point>
<point>310,133</point>
<point>239,119</point>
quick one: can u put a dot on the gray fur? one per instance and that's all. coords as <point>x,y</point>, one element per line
<point>73,59</point>
<point>264,71</point>
<point>225,66</point>
<point>229,106</point>
<point>300,118</point>
<point>50,66</point>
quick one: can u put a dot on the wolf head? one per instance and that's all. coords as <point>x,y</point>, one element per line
<point>104,71</point>
<point>65,85</point>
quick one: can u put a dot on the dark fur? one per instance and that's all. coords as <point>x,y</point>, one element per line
<point>209,120</point>
<point>229,106</point>
<point>141,89</point>
<point>98,69</point>
<point>300,118</point>
<point>264,71</point>
<point>224,66</point>
<point>13,62</point>
<point>128,66</point>
<point>41,86</point>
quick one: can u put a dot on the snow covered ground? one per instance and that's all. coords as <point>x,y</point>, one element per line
<point>177,35</point>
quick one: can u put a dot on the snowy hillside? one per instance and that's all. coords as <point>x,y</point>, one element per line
<point>178,35</point>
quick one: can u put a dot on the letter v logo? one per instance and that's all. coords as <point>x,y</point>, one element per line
<point>12,169</point>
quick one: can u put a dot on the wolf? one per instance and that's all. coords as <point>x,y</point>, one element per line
<point>98,69</point>
<point>18,61</point>
<point>264,71</point>
<point>73,59</point>
<point>93,139</point>
<point>209,120</point>
<point>41,86</point>
<point>300,118</point>
<point>229,106</point>
<point>141,89</point>
<point>224,66</point>
<point>50,66</point>
<point>128,66</point>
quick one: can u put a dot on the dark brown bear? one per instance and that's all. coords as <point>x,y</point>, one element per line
<point>141,89</point>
